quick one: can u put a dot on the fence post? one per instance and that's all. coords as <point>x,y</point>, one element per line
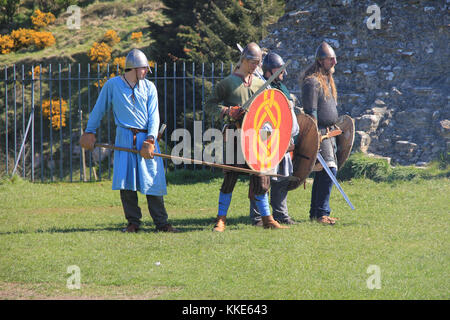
<point>6,118</point>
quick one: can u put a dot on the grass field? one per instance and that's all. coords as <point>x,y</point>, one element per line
<point>400,227</point>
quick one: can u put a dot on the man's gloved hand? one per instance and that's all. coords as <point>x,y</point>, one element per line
<point>148,148</point>
<point>87,141</point>
<point>236,112</point>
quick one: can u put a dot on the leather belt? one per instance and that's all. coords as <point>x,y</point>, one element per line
<point>135,132</point>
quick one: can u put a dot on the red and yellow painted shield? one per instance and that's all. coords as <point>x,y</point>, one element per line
<point>266,130</point>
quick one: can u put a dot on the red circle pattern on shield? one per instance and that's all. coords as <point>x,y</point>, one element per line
<point>266,130</point>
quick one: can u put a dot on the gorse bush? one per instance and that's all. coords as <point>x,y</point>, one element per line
<point>55,112</point>
<point>26,38</point>
<point>100,53</point>
<point>41,19</point>
<point>6,44</point>
<point>111,38</point>
<point>23,38</point>
<point>136,36</point>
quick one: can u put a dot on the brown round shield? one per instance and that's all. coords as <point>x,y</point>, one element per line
<point>266,130</point>
<point>306,148</point>
<point>345,140</point>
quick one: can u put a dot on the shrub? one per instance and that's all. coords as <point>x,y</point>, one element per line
<point>44,39</point>
<point>100,53</point>
<point>37,72</point>
<point>6,44</point>
<point>119,61</point>
<point>42,19</point>
<point>25,38</point>
<point>57,116</point>
<point>136,36</point>
<point>111,38</point>
<point>360,166</point>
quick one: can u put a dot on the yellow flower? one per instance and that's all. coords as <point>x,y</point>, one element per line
<point>57,116</point>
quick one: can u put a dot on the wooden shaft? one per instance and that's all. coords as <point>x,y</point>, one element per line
<point>211,164</point>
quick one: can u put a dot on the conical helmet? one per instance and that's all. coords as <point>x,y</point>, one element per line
<point>272,61</point>
<point>252,52</point>
<point>136,59</point>
<point>324,50</point>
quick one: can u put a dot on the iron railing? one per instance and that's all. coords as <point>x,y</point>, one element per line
<point>36,149</point>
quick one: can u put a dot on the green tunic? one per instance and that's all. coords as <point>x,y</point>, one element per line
<point>229,92</point>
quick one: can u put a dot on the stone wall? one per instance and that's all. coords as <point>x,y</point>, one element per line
<point>393,80</point>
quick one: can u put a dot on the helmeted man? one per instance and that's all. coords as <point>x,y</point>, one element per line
<point>134,103</point>
<point>227,99</point>
<point>278,186</point>
<point>319,99</point>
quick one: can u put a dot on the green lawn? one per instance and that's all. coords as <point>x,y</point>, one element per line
<point>400,227</point>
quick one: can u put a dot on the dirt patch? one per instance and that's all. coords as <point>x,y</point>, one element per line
<point>47,291</point>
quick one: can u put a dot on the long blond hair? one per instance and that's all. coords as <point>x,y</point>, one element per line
<point>315,70</point>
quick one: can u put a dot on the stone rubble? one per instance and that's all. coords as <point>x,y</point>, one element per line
<point>393,80</point>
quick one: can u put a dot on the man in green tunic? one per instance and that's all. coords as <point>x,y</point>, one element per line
<point>227,99</point>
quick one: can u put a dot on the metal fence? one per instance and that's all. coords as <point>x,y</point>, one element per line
<point>43,111</point>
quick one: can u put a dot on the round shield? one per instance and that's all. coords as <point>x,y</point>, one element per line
<point>345,140</point>
<point>306,148</point>
<point>266,130</point>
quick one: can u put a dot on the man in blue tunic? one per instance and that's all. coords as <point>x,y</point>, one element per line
<point>134,103</point>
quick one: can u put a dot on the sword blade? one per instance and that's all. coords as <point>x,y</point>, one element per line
<point>265,85</point>
<point>333,178</point>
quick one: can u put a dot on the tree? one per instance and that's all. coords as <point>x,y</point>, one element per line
<point>207,31</point>
<point>8,9</point>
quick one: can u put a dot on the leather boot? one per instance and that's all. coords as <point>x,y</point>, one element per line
<point>270,223</point>
<point>220,224</point>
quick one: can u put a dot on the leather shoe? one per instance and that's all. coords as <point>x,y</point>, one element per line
<point>131,228</point>
<point>326,220</point>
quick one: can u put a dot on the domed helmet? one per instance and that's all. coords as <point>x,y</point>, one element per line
<point>136,59</point>
<point>252,52</point>
<point>324,50</point>
<point>272,61</point>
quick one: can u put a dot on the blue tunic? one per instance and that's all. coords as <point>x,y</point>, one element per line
<point>131,171</point>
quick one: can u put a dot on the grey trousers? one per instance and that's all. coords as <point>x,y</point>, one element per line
<point>133,213</point>
<point>278,202</point>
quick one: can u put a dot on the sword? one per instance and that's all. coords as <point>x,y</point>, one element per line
<point>211,164</point>
<point>264,87</point>
<point>333,178</point>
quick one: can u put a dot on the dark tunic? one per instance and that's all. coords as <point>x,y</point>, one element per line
<point>322,108</point>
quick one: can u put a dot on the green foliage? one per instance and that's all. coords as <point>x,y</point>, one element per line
<point>58,6</point>
<point>8,9</point>
<point>360,165</point>
<point>208,31</point>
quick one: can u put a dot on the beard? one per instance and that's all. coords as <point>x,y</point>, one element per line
<point>330,71</point>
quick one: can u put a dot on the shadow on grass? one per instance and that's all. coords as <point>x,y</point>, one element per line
<point>184,225</point>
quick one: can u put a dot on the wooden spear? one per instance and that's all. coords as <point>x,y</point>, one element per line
<point>211,164</point>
